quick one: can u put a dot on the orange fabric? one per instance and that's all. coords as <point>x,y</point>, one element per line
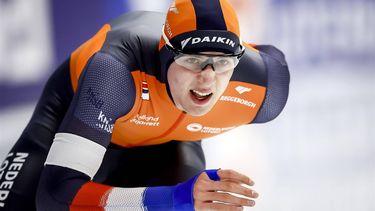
<point>166,133</point>
<point>217,121</point>
<point>128,132</point>
<point>81,55</point>
<point>230,17</point>
<point>91,196</point>
<point>157,120</point>
<point>173,24</point>
<point>161,43</point>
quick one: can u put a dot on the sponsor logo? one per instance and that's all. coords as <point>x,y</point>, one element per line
<point>196,127</point>
<point>242,89</point>
<point>145,120</point>
<point>9,171</point>
<point>184,42</point>
<point>168,29</point>
<point>238,100</point>
<point>104,123</point>
<point>93,98</point>
<point>207,39</point>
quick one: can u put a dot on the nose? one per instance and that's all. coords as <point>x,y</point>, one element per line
<point>207,75</point>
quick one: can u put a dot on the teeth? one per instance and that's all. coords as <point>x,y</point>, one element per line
<point>200,93</point>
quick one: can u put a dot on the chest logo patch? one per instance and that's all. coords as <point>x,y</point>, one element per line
<point>145,120</point>
<point>196,127</point>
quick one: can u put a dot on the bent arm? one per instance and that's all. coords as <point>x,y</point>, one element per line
<point>105,92</point>
<point>66,182</point>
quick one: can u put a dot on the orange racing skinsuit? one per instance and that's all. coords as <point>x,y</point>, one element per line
<point>113,121</point>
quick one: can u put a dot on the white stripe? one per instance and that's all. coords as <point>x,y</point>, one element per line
<point>75,152</point>
<point>125,199</point>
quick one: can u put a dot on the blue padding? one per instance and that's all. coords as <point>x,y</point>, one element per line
<point>179,197</point>
<point>183,195</point>
<point>212,174</point>
<point>159,198</point>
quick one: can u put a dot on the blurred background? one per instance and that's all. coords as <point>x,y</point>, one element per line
<point>319,154</point>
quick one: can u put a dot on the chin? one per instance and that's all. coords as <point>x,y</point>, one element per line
<point>200,113</point>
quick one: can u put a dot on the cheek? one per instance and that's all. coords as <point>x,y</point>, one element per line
<point>179,80</point>
<point>223,80</point>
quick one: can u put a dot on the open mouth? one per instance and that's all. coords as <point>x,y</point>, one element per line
<point>200,97</point>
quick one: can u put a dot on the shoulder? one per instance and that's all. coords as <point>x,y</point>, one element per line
<point>259,63</point>
<point>251,68</point>
<point>265,66</point>
<point>278,79</point>
<point>272,52</point>
<point>134,38</point>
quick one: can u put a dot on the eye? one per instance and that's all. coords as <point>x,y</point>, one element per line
<point>223,62</point>
<point>192,60</point>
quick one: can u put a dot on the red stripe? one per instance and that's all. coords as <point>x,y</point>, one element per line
<point>91,196</point>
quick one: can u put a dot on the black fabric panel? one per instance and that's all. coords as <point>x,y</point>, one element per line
<point>63,183</point>
<point>278,78</point>
<point>209,15</point>
<point>250,69</point>
<point>134,40</point>
<point>105,93</point>
<point>157,165</point>
<point>273,52</point>
<point>36,140</point>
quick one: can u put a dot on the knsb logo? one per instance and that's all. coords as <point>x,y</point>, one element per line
<point>242,89</point>
<point>207,39</point>
<point>105,123</point>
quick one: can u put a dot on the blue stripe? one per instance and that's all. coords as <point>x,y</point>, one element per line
<point>209,15</point>
<point>212,174</point>
<point>159,198</point>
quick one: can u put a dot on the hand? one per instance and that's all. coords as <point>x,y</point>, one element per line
<point>214,195</point>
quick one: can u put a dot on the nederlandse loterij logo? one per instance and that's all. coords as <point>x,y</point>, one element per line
<point>242,89</point>
<point>208,39</point>
<point>194,127</point>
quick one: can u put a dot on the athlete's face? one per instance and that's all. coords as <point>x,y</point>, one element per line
<point>196,92</point>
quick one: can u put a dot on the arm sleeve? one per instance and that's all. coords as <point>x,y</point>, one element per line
<point>105,92</point>
<point>278,79</point>
<point>30,150</point>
